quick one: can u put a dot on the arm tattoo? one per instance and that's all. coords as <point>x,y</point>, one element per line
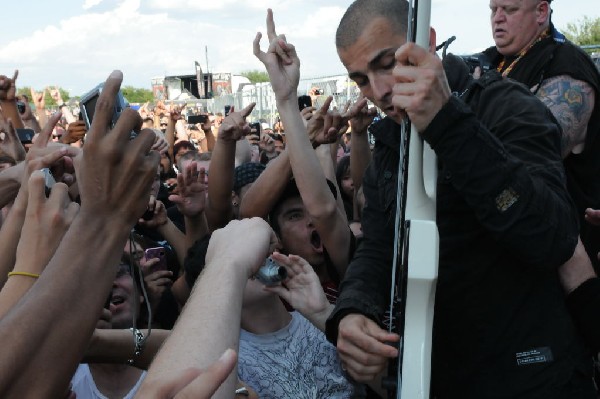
<point>571,102</point>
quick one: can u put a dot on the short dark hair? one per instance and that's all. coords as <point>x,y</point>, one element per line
<point>290,191</point>
<point>362,12</point>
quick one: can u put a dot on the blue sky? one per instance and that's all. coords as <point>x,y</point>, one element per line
<point>76,43</point>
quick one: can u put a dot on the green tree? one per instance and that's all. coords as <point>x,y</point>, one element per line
<point>137,95</point>
<point>256,76</point>
<point>584,32</point>
<point>26,90</point>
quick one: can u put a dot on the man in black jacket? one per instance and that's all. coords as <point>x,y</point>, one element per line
<point>530,50</point>
<point>505,219</point>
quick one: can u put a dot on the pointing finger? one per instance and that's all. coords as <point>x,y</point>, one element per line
<point>246,111</point>
<point>270,25</point>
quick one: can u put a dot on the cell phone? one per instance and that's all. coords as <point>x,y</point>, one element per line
<point>87,107</point>
<point>156,252</point>
<point>304,102</point>
<point>193,119</point>
<point>228,109</point>
<point>255,128</point>
<point>21,107</point>
<point>25,135</point>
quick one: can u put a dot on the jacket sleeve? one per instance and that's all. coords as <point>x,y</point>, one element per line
<point>367,283</point>
<point>506,165</point>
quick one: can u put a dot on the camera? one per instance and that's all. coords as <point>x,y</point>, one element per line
<point>304,102</point>
<point>21,107</point>
<point>477,60</point>
<point>193,119</point>
<point>87,106</point>
<point>25,135</point>
<point>256,127</point>
<point>271,273</point>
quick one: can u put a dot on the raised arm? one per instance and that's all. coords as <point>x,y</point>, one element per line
<point>8,100</point>
<point>115,346</point>
<point>191,202</point>
<point>283,66</point>
<point>39,100</point>
<point>234,127</point>
<point>212,315</point>
<point>360,151</point>
<point>45,325</point>
<point>39,157</point>
<point>267,189</point>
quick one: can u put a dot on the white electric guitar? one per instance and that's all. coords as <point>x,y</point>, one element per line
<point>417,243</point>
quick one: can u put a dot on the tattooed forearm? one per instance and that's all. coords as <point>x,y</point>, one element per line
<point>571,102</point>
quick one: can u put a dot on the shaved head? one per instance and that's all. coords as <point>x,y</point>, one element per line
<point>362,12</point>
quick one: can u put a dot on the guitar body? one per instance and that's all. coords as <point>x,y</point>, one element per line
<point>420,250</point>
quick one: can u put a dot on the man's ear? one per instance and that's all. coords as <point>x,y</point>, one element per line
<point>543,12</point>
<point>432,40</point>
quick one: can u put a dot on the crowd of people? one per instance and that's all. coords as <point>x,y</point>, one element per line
<point>133,264</point>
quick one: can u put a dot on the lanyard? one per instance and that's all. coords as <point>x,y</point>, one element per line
<point>522,53</point>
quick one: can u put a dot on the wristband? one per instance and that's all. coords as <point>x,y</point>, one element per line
<point>25,274</point>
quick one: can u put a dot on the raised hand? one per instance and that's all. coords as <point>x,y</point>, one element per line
<point>160,143</point>
<point>39,99</point>
<point>46,222</point>
<point>114,172</point>
<point>75,132</point>
<point>159,214</point>
<point>281,61</point>
<point>160,109</point>
<point>325,125</point>
<point>248,255</point>
<point>191,200</point>
<point>360,116</point>
<point>9,141</point>
<point>55,94</point>
<point>302,288</point>
<point>8,87</point>
<point>234,126</point>
<point>42,154</point>
<point>156,281</point>
<point>175,111</point>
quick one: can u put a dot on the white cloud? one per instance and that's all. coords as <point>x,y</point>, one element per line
<point>90,3</point>
<point>152,38</point>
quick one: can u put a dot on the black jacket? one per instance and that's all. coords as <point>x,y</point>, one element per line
<point>506,223</point>
<point>556,56</point>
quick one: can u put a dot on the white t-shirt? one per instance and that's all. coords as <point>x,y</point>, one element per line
<point>85,388</point>
<point>295,362</point>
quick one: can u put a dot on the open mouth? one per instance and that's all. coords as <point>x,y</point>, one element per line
<point>315,241</point>
<point>117,300</point>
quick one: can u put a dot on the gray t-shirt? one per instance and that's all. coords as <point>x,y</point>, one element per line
<point>295,362</point>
